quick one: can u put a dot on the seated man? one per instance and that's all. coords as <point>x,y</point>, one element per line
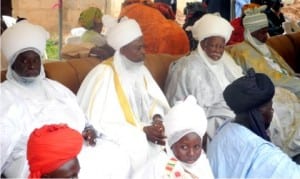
<point>185,126</point>
<point>242,148</point>
<point>120,97</point>
<point>159,32</point>
<point>92,42</point>
<point>254,52</point>
<point>206,71</point>
<point>91,20</point>
<point>52,152</point>
<point>28,99</point>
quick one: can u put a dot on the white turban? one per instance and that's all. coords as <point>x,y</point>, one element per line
<point>123,33</point>
<point>23,35</point>
<point>183,118</point>
<point>211,25</point>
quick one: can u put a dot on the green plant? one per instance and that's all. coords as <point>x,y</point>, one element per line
<point>52,49</point>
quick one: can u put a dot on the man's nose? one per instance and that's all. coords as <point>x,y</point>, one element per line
<point>191,152</point>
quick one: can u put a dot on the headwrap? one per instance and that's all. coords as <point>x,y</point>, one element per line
<point>88,16</point>
<point>50,146</point>
<point>183,118</point>
<point>21,36</point>
<point>211,25</point>
<point>122,33</point>
<point>246,94</point>
<point>255,19</point>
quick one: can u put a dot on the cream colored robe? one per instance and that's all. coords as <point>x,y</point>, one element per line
<point>120,101</point>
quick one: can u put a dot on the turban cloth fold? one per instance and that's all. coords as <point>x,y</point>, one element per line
<point>211,25</point>
<point>23,35</point>
<point>122,33</point>
<point>50,146</point>
<point>183,118</point>
<point>247,94</point>
<point>88,16</point>
<point>255,19</point>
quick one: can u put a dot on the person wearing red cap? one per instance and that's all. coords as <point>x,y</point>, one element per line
<point>52,152</point>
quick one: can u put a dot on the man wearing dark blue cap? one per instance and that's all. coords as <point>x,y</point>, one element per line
<point>242,148</point>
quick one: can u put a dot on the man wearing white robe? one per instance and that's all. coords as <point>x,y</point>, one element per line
<point>200,75</point>
<point>121,97</point>
<point>29,102</point>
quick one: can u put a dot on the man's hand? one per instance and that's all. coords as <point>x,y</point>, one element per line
<point>156,132</point>
<point>90,134</point>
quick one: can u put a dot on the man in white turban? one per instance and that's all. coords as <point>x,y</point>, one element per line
<point>206,71</point>
<point>120,97</point>
<point>29,99</point>
<point>185,126</point>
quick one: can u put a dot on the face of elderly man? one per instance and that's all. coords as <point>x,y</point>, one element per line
<point>261,34</point>
<point>27,64</point>
<point>134,51</point>
<point>214,47</point>
<point>188,148</point>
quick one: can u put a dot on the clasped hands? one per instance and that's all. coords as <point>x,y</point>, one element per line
<point>156,132</point>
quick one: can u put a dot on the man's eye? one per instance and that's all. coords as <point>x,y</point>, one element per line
<point>25,61</point>
<point>197,146</point>
<point>184,147</point>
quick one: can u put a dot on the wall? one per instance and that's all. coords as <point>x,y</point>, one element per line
<point>45,13</point>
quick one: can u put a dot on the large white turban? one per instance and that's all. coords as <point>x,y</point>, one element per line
<point>211,25</point>
<point>23,35</point>
<point>183,118</point>
<point>123,33</point>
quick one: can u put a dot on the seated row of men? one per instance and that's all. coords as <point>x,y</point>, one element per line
<point>131,117</point>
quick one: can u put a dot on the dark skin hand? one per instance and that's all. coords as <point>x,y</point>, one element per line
<point>156,132</point>
<point>90,134</point>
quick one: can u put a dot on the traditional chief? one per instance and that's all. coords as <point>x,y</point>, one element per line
<point>29,100</point>
<point>206,71</point>
<point>121,97</point>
